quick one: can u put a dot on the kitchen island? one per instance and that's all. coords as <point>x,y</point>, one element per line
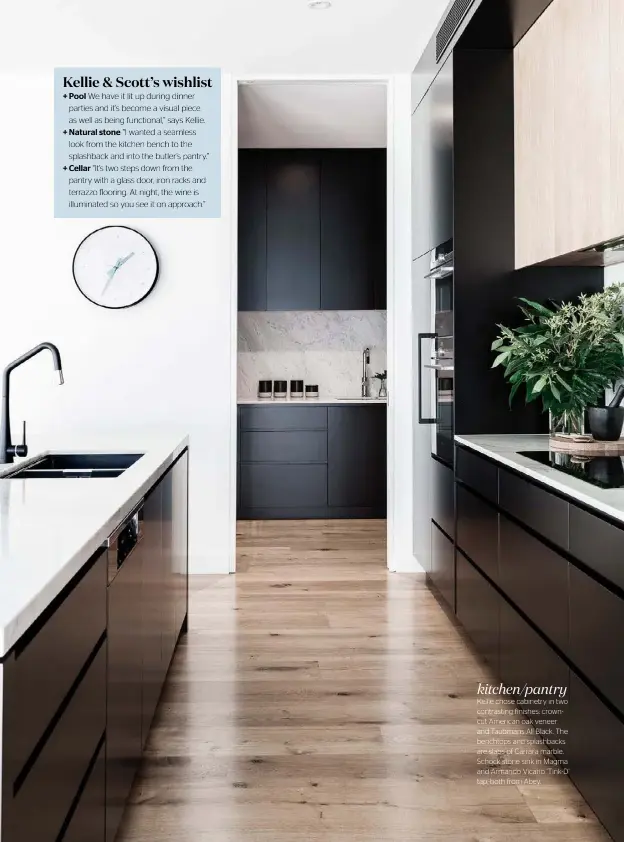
<point>539,588</point>
<point>88,628</point>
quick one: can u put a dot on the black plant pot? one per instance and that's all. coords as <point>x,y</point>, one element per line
<point>605,422</point>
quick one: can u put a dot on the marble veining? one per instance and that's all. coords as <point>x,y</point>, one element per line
<point>322,347</point>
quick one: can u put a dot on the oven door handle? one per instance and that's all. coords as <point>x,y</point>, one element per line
<point>421,418</point>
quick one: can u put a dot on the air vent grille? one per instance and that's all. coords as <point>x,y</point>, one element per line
<point>457,13</point>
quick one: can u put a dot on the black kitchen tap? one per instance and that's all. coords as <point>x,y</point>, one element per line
<point>8,450</point>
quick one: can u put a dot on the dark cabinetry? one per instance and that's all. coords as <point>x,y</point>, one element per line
<point>478,605</point>
<point>293,274</point>
<point>540,510</point>
<point>308,462</point>
<point>477,531</point>
<point>596,631</point>
<point>53,690</point>
<point>80,687</point>
<point>146,612</point>
<point>353,229</point>
<point>356,445</point>
<point>524,562</point>
<point>598,544</point>
<point>526,659</point>
<point>443,509</point>
<point>252,230</point>
<point>595,747</point>
<point>556,619</point>
<point>123,708</point>
<point>312,229</point>
<point>87,822</point>
<point>442,573</point>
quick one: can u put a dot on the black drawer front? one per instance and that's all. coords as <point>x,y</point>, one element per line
<point>87,823</point>
<point>598,544</point>
<point>535,578</point>
<point>443,511</point>
<point>477,473</point>
<point>45,669</point>
<point>48,791</point>
<point>283,486</point>
<point>539,510</point>
<point>283,417</point>
<point>478,609</point>
<point>526,659</point>
<point>442,572</point>
<point>289,446</point>
<point>595,752</point>
<point>477,531</point>
<point>596,634</point>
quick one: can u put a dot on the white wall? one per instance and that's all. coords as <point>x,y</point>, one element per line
<point>149,367</point>
<point>154,366</point>
<point>400,369</point>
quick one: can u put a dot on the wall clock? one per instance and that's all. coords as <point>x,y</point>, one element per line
<point>115,267</point>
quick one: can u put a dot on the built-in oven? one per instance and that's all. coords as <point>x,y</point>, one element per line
<point>436,354</point>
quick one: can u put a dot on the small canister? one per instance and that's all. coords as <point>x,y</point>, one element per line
<point>280,389</point>
<point>265,389</point>
<point>312,391</point>
<point>296,388</point>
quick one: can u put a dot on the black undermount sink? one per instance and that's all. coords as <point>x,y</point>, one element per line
<point>77,466</point>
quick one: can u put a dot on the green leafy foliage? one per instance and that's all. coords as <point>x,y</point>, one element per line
<point>567,354</point>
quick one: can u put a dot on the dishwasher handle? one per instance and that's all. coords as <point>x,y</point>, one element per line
<point>122,542</point>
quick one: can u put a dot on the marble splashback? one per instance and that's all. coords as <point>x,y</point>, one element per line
<point>322,347</point>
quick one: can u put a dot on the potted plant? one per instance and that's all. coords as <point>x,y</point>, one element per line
<point>382,377</point>
<point>565,355</point>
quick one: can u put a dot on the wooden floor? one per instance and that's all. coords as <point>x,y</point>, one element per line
<point>318,697</point>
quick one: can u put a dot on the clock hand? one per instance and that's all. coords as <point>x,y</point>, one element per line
<point>111,274</point>
<point>115,268</point>
<point>123,260</point>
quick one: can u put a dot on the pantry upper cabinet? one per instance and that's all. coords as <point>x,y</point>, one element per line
<point>312,229</point>
<point>293,271</point>
<point>569,130</point>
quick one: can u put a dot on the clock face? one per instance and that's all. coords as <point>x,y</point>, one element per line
<point>115,267</point>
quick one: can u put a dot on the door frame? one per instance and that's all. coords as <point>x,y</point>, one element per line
<point>398,98</point>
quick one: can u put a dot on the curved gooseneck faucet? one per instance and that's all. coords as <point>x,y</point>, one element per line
<point>8,451</point>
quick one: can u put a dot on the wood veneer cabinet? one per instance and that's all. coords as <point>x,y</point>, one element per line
<point>569,120</point>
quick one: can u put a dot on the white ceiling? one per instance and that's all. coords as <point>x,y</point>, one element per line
<point>241,36</point>
<point>334,114</point>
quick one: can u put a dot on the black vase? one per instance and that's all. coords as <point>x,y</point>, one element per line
<point>605,422</point>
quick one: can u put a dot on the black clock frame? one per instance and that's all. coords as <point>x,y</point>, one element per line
<point>124,306</point>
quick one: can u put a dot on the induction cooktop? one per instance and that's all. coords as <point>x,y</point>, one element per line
<point>602,471</point>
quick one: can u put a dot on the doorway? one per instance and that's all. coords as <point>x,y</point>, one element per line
<point>282,464</point>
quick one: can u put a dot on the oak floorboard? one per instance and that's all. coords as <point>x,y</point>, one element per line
<point>318,698</point>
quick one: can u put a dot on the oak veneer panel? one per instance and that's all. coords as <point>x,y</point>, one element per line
<point>534,142</point>
<point>582,123</point>
<point>563,136</point>
<point>617,116</point>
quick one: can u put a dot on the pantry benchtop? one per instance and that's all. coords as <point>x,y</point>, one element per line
<point>49,528</point>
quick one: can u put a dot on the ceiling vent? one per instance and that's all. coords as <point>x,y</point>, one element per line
<point>450,24</point>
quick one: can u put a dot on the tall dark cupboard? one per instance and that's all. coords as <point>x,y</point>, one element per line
<point>312,229</point>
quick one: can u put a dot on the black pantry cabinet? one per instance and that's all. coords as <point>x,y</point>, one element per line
<point>311,461</point>
<point>312,229</point>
